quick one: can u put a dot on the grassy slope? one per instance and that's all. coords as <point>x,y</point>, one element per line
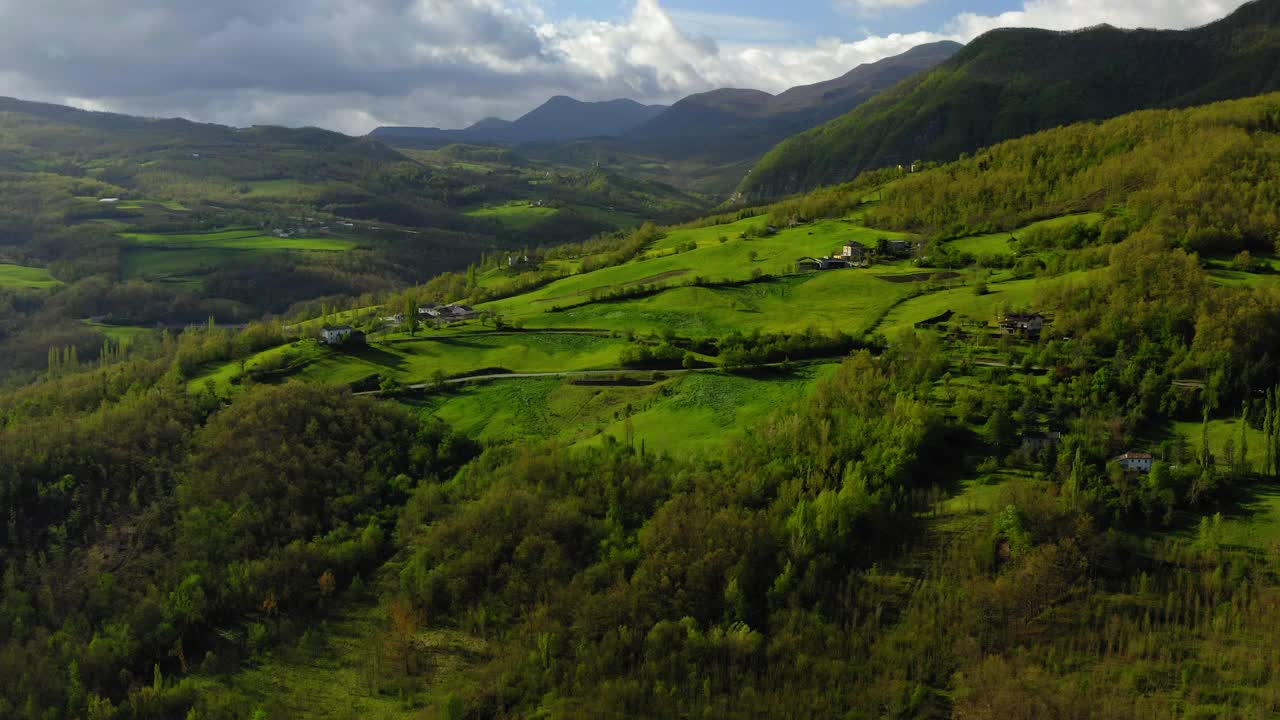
<point>246,239</point>
<point>18,276</point>
<point>712,260</point>
<point>684,413</point>
<point>998,243</point>
<point>516,215</point>
<point>454,354</point>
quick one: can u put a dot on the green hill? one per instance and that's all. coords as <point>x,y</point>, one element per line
<point>1009,83</point>
<point>1021,461</point>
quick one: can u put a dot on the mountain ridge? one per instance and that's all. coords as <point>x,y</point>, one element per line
<point>1012,82</point>
<point>559,119</point>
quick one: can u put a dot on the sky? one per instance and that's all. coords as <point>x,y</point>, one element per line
<point>353,65</point>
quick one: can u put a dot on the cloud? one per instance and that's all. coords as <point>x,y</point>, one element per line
<point>873,6</point>
<point>1075,14</point>
<point>354,64</point>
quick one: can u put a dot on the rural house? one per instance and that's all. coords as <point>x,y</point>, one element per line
<point>1022,323</point>
<point>899,248</point>
<point>1137,462</point>
<point>455,313</point>
<point>1037,441</point>
<point>854,251</point>
<point>335,335</point>
<point>432,311</point>
<point>807,264</point>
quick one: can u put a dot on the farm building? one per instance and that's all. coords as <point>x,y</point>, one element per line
<point>457,312</point>
<point>807,264</point>
<point>1137,462</point>
<point>335,335</point>
<point>902,248</point>
<point>1036,441</point>
<point>1022,323</point>
<point>432,311</point>
<point>854,251</point>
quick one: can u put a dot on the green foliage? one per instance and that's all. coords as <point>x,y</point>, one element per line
<point>1014,82</point>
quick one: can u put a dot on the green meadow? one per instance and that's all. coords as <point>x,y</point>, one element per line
<point>963,302</point>
<point>998,243</point>
<point>516,215</point>
<point>736,259</point>
<point>704,410</point>
<point>242,239</point>
<point>852,301</point>
<point>183,258</point>
<point>123,334</point>
<point>22,277</point>
<point>417,360</point>
<point>684,412</point>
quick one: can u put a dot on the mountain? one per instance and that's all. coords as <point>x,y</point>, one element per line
<point>1013,82</point>
<point>732,125</point>
<point>560,119</point>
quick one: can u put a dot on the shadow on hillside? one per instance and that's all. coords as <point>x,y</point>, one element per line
<point>380,357</point>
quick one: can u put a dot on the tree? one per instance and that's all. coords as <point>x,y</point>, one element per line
<point>402,634</point>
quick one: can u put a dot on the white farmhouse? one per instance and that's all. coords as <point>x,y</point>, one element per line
<point>335,335</point>
<point>1137,462</point>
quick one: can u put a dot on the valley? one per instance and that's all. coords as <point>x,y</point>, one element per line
<point>538,419</point>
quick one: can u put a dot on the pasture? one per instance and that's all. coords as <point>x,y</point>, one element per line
<point>238,239</point>
<point>416,360</point>
<point>998,243</point>
<point>683,413</point>
<point>26,278</point>
<point>734,260</point>
<point>516,215</point>
<point>852,301</point>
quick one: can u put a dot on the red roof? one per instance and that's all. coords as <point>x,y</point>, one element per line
<point>1136,456</point>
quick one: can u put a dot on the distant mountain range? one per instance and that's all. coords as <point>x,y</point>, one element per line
<point>727,129</point>
<point>560,119</point>
<point>729,125</point>
<point>1010,83</point>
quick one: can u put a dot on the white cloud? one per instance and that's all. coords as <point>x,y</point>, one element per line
<point>1075,14</point>
<point>873,6</point>
<point>355,64</point>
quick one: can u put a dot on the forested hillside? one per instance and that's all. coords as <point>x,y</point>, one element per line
<point>680,472</point>
<point>1012,82</point>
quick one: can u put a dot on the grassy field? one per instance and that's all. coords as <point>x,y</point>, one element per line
<point>516,215</point>
<point>1219,432</point>
<point>123,334</point>
<point>178,267</point>
<point>998,243</point>
<point>705,410</point>
<point>683,413</point>
<point>242,239</point>
<point>713,260</point>
<point>19,276</point>
<point>279,188</point>
<point>414,361</point>
<point>183,258</point>
<point>852,301</point>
